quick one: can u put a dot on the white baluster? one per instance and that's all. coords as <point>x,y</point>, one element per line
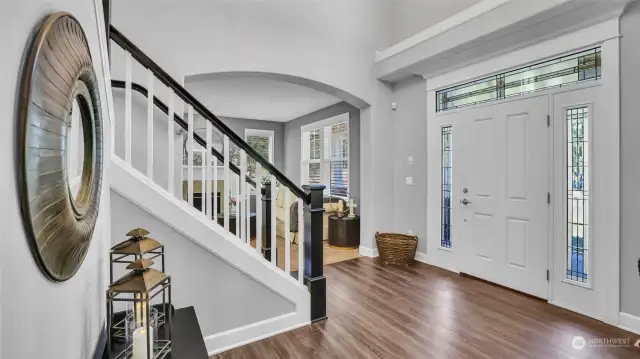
<point>203,184</point>
<point>170,141</point>
<point>227,184</point>
<point>247,211</point>
<point>210,209</point>
<point>242,188</point>
<point>287,234</point>
<point>237,209</point>
<point>127,109</point>
<point>215,189</point>
<point>190,148</point>
<point>150,80</point>
<point>300,241</point>
<point>258,207</point>
<point>274,238</point>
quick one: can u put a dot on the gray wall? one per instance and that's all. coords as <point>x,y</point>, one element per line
<point>630,165</point>
<point>409,139</point>
<point>42,318</point>
<point>224,298</point>
<point>292,143</point>
<point>409,17</point>
<point>238,125</point>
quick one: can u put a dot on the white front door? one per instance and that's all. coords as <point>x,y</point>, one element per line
<point>501,183</point>
<point>574,286</point>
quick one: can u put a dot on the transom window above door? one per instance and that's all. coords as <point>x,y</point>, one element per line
<point>562,71</point>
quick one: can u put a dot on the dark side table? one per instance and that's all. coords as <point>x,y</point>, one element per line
<point>344,232</point>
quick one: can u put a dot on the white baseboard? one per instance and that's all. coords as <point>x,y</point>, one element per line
<point>421,257</point>
<point>368,252</point>
<point>238,337</point>
<point>443,263</point>
<point>630,323</point>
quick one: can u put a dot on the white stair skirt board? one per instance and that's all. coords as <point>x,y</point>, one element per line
<point>190,222</point>
<point>248,334</point>
<point>368,252</point>
<point>630,323</point>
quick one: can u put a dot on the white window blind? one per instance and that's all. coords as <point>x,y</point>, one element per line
<point>339,161</point>
<point>325,157</point>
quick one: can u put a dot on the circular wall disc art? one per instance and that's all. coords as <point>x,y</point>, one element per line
<point>59,146</point>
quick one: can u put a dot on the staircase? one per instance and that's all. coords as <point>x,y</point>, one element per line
<point>190,189</point>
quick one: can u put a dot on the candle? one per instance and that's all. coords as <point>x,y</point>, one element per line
<point>140,343</point>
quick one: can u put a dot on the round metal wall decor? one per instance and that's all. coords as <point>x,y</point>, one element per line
<point>57,78</point>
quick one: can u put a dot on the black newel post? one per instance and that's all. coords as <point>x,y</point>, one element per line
<point>266,221</point>
<point>313,256</point>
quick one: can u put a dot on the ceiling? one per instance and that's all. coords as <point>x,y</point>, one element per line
<point>257,98</point>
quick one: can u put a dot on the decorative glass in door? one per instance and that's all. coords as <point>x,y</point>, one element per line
<point>577,120</point>
<point>446,168</point>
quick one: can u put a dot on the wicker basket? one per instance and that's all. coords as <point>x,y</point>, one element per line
<point>395,248</point>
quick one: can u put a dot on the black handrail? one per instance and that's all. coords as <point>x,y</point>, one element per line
<point>181,92</point>
<point>164,108</point>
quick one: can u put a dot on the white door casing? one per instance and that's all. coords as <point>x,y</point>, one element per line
<point>605,165</point>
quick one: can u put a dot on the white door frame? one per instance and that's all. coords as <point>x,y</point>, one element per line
<point>606,154</point>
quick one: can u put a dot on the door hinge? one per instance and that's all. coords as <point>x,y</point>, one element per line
<point>548,197</point>
<point>547,275</point>
<point>548,120</point>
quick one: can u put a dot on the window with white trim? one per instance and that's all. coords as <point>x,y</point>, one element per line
<point>262,142</point>
<point>325,155</point>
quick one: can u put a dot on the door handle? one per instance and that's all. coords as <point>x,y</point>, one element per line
<point>465,201</point>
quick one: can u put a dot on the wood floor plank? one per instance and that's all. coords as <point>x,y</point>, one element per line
<point>330,254</point>
<point>421,311</point>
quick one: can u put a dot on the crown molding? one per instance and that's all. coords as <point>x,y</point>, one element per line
<point>502,27</point>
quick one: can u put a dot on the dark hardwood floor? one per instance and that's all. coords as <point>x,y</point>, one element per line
<point>426,312</point>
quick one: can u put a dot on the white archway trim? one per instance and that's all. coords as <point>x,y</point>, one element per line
<point>296,80</point>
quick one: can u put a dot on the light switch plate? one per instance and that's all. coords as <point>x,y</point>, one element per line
<point>410,160</point>
<point>409,181</point>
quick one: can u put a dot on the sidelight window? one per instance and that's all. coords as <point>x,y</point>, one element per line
<point>446,167</point>
<point>577,120</point>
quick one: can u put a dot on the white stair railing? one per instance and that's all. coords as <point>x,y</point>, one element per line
<point>217,178</point>
<point>234,175</point>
